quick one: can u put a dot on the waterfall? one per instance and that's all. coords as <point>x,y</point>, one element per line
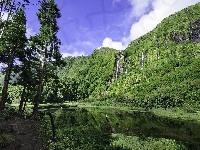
<point>122,57</point>
<point>142,63</point>
<point>158,41</point>
<point>126,70</point>
<point>117,70</point>
<point>158,55</point>
<point>119,67</point>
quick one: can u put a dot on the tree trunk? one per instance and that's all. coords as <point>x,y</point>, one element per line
<point>37,98</point>
<point>22,100</point>
<point>26,99</point>
<point>6,82</point>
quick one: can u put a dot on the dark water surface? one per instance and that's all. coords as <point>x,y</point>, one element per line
<point>130,123</point>
<point>147,124</point>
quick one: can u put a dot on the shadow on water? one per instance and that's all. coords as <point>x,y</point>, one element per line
<point>91,129</point>
<point>147,124</point>
<point>79,129</point>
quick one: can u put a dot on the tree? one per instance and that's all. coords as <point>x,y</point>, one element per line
<point>12,42</point>
<point>8,8</point>
<point>28,73</point>
<point>47,44</point>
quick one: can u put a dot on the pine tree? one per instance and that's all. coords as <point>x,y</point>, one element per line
<point>28,73</point>
<point>47,44</point>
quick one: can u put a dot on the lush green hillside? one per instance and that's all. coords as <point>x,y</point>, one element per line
<point>85,77</point>
<point>163,64</point>
<point>160,68</point>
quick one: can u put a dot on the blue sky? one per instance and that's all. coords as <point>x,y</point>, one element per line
<point>86,25</point>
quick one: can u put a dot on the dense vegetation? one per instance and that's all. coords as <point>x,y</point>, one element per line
<point>159,69</point>
<point>37,56</point>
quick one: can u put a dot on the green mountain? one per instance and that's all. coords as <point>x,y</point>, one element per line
<point>90,75</point>
<point>159,69</point>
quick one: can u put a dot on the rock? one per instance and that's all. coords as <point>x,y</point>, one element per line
<point>13,128</point>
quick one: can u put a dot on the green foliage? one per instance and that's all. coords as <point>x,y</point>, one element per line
<point>14,39</point>
<point>88,76</point>
<point>14,94</point>
<point>12,44</point>
<point>168,85</point>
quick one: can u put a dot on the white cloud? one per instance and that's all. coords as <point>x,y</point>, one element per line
<point>108,42</point>
<point>4,15</point>
<point>147,22</point>
<point>74,49</point>
<point>139,7</point>
<point>29,31</point>
<point>74,54</point>
<point>85,43</point>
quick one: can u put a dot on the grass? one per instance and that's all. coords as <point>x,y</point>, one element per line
<point>178,113</point>
<point>136,143</point>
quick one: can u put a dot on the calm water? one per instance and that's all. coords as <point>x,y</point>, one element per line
<point>135,123</point>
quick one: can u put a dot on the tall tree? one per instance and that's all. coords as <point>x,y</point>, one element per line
<point>12,42</point>
<point>28,73</point>
<point>47,44</point>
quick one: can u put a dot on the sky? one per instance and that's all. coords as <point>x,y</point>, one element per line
<point>87,25</point>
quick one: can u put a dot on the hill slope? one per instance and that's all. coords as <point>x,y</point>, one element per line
<point>85,77</point>
<point>159,69</point>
